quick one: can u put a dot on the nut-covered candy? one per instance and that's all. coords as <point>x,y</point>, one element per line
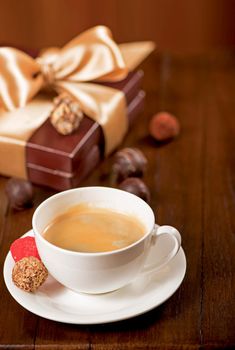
<point>19,193</point>
<point>129,162</point>
<point>66,114</point>
<point>164,126</point>
<point>29,274</point>
<point>136,186</point>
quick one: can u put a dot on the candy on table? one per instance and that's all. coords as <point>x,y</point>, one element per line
<point>129,162</point>
<point>19,193</point>
<point>164,126</point>
<point>136,186</point>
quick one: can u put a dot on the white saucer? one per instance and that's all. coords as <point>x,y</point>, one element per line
<point>55,302</point>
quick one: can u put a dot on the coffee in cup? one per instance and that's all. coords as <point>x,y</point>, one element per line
<point>88,228</point>
<point>100,271</point>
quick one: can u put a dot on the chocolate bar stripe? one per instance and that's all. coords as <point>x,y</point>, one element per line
<point>61,180</point>
<point>59,151</point>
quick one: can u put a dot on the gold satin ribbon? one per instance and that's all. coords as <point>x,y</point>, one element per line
<point>91,57</point>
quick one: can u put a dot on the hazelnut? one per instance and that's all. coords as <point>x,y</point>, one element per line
<point>29,274</point>
<point>19,193</point>
<point>164,126</point>
<point>136,186</point>
<point>129,162</point>
<point>66,114</point>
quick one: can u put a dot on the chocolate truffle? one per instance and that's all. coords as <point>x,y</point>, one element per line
<point>29,274</point>
<point>129,162</point>
<point>164,126</point>
<point>19,193</point>
<point>136,186</point>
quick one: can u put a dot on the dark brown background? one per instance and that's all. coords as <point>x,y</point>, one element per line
<point>176,25</point>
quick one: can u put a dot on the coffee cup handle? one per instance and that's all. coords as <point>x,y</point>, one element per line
<point>176,237</point>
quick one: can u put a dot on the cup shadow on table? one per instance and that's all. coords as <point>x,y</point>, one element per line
<point>135,289</point>
<point>142,321</point>
<point>138,322</point>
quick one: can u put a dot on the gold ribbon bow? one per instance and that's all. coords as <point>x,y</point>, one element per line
<point>91,57</point>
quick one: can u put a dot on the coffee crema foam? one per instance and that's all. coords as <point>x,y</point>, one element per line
<point>87,228</point>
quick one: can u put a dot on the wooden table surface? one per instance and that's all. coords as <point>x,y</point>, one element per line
<point>192,182</point>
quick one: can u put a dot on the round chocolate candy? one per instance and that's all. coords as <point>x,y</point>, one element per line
<point>19,193</point>
<point>129,162</point>
<point>136,186</point>
<point>164,126</point>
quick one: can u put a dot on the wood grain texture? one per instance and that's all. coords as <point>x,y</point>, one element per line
<point>170,182</point>
<point>219,207</point>
<point>192,187</point>
<point>17,326</point>
<point>176,26</point>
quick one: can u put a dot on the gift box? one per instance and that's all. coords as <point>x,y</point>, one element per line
<point>86,157</point>
<point>63,162</point>
<point>109,106</point>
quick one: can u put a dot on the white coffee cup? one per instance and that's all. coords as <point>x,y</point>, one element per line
<point>100,272</point>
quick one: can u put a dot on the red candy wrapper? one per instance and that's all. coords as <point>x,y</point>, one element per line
<point>24,247</point>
